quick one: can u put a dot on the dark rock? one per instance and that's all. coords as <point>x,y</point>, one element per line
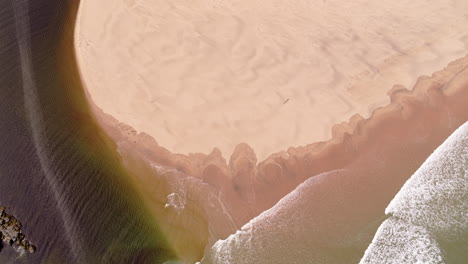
<point>11,234</point>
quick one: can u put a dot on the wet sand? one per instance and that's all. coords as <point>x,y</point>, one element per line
<point>86,196</point>
<point>216,197</point>
<point>207,195</point>
<point>196,75</point>
<point>425,223</point>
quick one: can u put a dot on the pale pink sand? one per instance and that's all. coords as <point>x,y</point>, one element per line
<point>198,199</point>
<point>201,74</point>
<point>273,74</point>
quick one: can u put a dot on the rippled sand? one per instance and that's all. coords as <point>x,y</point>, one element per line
<point>302,83</point>
<point>274,74</point>
<point>200,198</point>
<point>89,188</point>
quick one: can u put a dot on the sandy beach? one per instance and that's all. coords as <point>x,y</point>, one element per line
<point>221,132</point>
<point>221,109</point>
<point>196,75</point>
<point>201,198</point>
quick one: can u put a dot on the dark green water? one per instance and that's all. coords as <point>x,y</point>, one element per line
<point>59,173</point>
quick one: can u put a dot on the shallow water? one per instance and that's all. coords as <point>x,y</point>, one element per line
<point>59,173</point>
<point>63,178</point>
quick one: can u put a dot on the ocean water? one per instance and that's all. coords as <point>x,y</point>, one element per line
<point>59,174</point>
<point>62,177</point>
<point>428,220</point>
<point>325,220</point>
<point>309,225</point>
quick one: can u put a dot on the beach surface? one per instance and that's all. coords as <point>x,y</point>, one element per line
<point>196,75</point>
<point>90,186</point>
<point>220,110</point>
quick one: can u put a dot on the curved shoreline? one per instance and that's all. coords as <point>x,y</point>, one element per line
<point>147,63</point>
<point>201,198</point>
<point>411,123</point>
<point>59,171</point>
<point>443,86</point>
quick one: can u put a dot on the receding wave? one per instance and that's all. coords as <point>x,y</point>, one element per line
<point>355,176</point>
<point>90,189</point>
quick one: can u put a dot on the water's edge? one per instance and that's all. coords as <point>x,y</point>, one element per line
<point>59,173</point>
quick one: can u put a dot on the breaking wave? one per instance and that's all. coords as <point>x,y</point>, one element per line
<point>428,220</point>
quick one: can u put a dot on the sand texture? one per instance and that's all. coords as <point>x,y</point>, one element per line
<point>93,186</point>
<point>220,109</point>
<point>323,220</point>
<point>273,74</point>
<point>201,198</point>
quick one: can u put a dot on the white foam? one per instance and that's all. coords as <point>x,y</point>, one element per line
<point>436,196</point>
<point>176,201</point>
<point>399,242</point>
<point>281,234</point>
<point>432,203</point>
<point>297,229</point>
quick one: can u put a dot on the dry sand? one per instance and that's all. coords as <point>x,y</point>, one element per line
<point>195,75</point>
<point>201,74</point>
<point>199,199</point>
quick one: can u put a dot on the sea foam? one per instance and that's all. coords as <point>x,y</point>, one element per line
<point>431,209</point>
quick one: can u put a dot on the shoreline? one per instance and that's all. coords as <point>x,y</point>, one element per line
<point>201,198</point>
<point>244,188</point>
<point>191,111</point>
<point>191,164</point>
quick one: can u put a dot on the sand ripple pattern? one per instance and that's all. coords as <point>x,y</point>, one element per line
<point>273,74</point>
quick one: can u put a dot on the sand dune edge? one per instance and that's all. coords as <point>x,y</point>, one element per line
<point>415,122</point>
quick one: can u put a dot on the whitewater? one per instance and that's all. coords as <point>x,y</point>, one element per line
<point>428,220</point>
